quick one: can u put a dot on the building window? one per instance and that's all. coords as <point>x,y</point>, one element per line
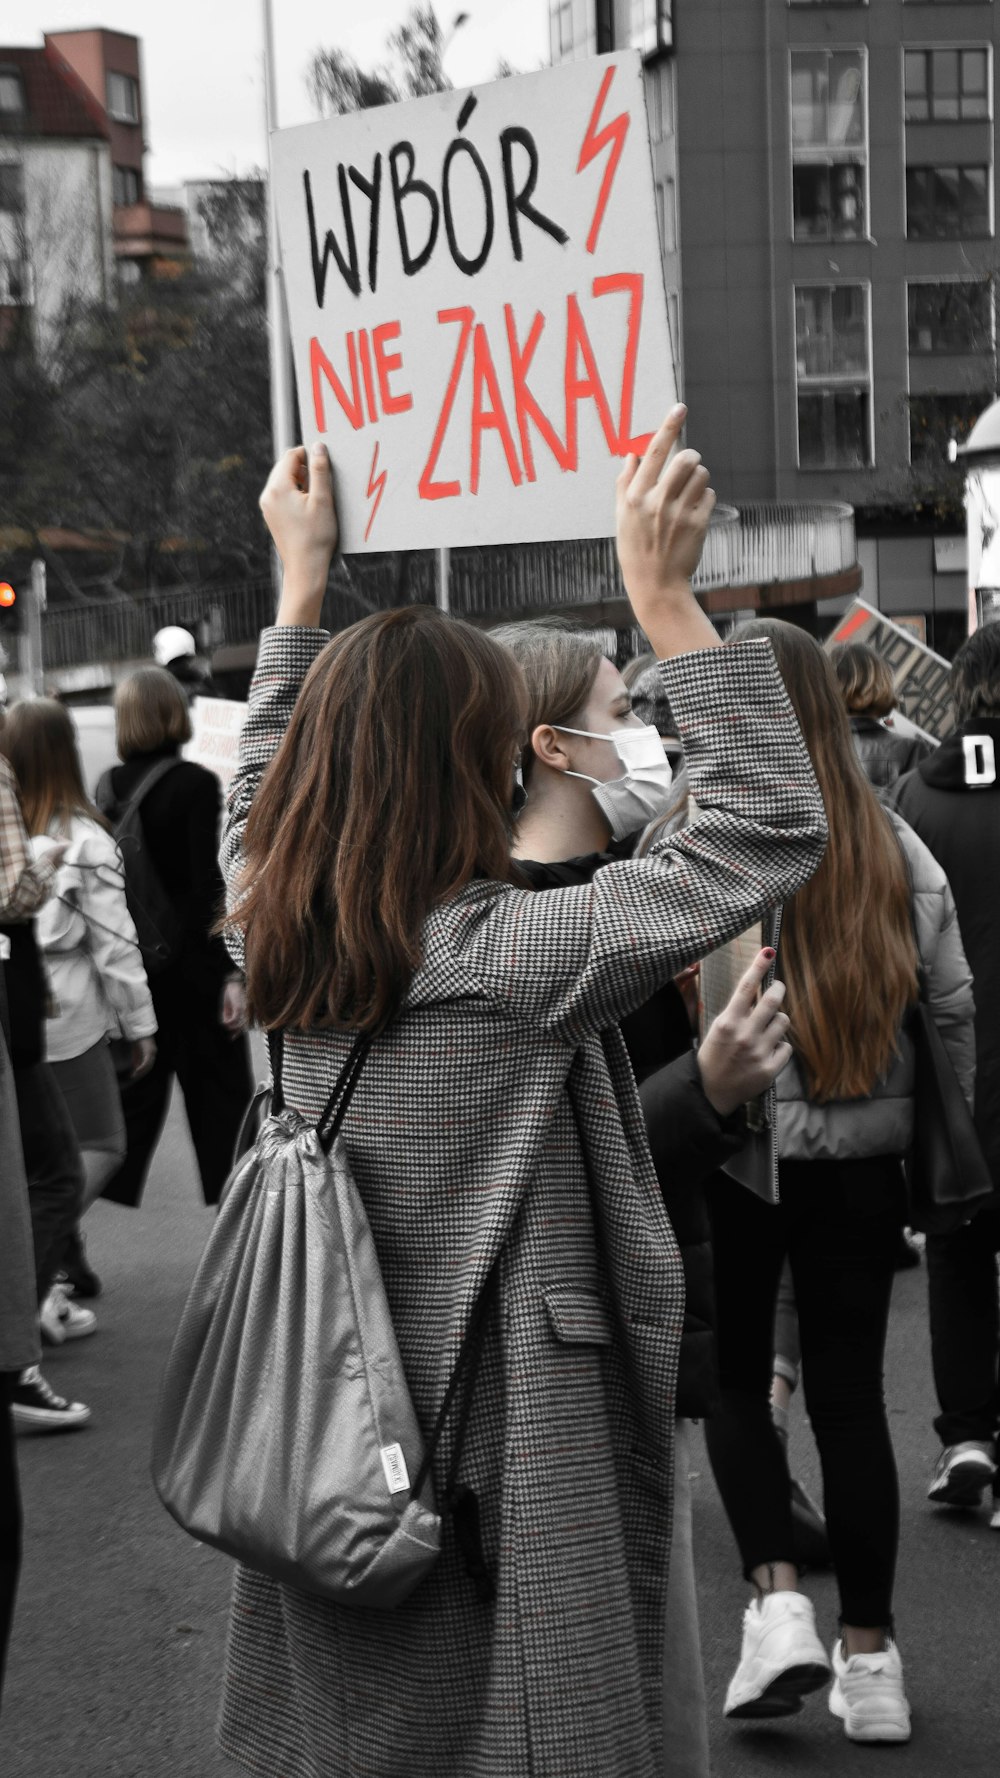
<point>123,98</point>
<point>828,98</point>
<point>651,25</point>
<point>946,85</point>
<point>936,419</point>
<point>11,92</point>
<point>125,186</point>
<point>15,283</point>
<point>833,376</point>
<point>947,203</point>
<point>11,188</point>
<point>950,318</point>
<point>829,152</point>
<point>666,195</point>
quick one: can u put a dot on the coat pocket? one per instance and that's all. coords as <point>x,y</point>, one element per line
<point>578,1315</point>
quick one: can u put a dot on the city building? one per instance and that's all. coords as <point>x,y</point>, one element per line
<point>55,192</point>
<point>149,239</point>
<point>825,176</point>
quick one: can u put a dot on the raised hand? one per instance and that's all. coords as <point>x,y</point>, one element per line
<point>662,520</point>
<point>301,515</point>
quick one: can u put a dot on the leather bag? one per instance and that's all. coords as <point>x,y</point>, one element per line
<point>285,1434</point>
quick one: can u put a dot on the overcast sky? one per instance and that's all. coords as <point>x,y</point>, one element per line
<point>203,74</point>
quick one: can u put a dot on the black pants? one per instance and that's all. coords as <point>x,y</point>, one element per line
<point>10,1518</point>
<point>52,1165</point>
<point>213,1070</point>
<point>838,1225</point>
<point>965,1328</point>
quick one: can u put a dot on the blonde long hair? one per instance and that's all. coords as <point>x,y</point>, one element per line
<point>848,954</point>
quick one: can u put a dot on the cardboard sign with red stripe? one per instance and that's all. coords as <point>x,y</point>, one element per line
<point>920,676</point>
<point>476,300</point>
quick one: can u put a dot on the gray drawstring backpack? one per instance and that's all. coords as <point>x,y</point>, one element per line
<point>285,1434</point>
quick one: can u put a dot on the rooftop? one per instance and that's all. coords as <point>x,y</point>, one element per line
<point>56,102</point>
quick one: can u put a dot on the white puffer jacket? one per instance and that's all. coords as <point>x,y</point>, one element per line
<point>90,945</point>
<point>882,1124</point>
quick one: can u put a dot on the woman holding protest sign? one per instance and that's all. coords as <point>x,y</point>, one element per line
<point>496,1120</point>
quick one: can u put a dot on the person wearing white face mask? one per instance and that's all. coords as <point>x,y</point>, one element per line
<point>594,777</point>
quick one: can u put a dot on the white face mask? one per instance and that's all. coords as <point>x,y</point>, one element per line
<point>632,801</point>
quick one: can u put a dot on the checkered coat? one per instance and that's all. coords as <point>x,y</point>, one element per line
<point>500,1112</point>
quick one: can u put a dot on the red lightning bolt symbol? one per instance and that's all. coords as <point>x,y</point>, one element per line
<point>612,136</point>
<point>376,486</point>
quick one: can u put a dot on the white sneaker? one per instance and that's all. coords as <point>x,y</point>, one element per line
<point>962,1472</point>
<point>867,1694</point>
<point>60,1319</point>
<point>781,1660</point>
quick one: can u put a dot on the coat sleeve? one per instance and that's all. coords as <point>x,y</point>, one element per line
<point>111,936</point>
<point>575,960</point>
<point>283,660</point>
<point>687,1137</point>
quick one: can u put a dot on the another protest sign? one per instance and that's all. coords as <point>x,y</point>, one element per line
<point>919,676</point>
<point>217,724</point>
<point>477,309</point>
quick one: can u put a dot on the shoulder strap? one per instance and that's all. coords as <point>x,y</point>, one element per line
<point>921,971</point>
<point>145,785</point>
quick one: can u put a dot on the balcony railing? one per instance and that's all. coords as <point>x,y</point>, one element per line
<point>754,548</point>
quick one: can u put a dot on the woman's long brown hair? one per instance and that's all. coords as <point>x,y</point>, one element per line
<point>848,955</point>
<point>39,739</point>
<point>390,791</point>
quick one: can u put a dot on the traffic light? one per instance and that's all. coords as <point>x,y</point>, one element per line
<point>8,597</point>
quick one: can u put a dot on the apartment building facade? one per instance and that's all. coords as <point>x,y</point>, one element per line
<point>76,221</point>
<point>825,173</point>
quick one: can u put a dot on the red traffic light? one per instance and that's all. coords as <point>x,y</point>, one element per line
<point>7,593</point>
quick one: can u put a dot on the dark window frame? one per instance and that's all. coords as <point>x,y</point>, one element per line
<point>928,301</point>
<point>966,103</point>
<point>961,233</point>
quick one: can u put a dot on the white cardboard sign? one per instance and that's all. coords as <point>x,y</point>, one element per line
<point>217,724</point>
<point>476,300</point>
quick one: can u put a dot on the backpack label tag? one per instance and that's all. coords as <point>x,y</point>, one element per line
<point>397,1475</point>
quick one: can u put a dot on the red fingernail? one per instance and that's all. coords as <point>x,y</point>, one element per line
<point>769,954</point>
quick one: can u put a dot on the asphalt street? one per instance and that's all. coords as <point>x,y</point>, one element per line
<point>120,1635</point>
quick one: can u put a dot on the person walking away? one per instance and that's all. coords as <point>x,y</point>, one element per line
<point>495,1123</point>
<point>585,788</point>
<point>87,939</point>
<point>197,993</point>
<point>19,1350</point>
<point>851,942</point>
<point>952,801</point>
<point>870,698</point>
<point>48,1142</point>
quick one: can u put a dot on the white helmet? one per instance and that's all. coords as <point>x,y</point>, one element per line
<point>170,644</point>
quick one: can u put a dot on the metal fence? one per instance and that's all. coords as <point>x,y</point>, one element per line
<point>756,546</point>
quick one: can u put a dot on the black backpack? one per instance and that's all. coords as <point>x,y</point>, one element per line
<point>157,926</point>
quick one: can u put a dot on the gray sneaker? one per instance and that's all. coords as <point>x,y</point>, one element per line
<point>962,1473</point>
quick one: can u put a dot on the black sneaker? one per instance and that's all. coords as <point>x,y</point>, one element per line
<point>37,1408</point>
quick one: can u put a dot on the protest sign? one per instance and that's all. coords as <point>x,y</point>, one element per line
<point>920,676</point>
<point>476,301</point>
<point>217,724</point>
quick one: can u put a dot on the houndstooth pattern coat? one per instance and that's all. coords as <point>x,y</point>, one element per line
<point>500,1112</point>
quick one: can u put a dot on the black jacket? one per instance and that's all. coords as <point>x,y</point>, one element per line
<point>884,756</point>
<point>955,808</point>
<point>687,1137</point>
<point>180,823</point>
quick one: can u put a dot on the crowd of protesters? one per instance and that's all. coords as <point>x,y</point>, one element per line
<point>499,861</point>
